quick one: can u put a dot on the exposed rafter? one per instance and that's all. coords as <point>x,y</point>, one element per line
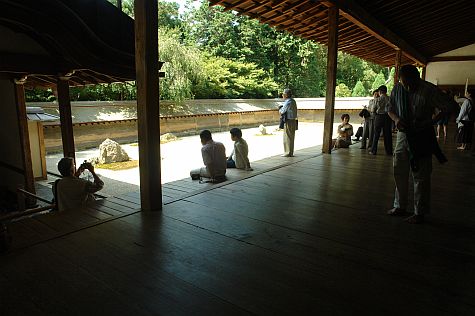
<point>359,16</point>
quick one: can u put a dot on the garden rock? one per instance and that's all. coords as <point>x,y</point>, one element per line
<point>262,130</point>
<point>110,151</point>
<point>168,137</point>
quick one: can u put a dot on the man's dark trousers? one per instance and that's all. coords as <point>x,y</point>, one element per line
<point>382,122</point>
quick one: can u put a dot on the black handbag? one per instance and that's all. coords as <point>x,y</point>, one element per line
<point>282,120</point>
<point>364,113</point>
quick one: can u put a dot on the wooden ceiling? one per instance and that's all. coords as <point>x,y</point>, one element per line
<point>369,29</point>
<point>89,42</point>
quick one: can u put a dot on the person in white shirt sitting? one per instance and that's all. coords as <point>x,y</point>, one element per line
<point>214,159</point>
<point>72,192</point>
<point>238,158</point>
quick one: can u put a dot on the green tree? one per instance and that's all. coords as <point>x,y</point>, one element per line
<point>349,70</point>
<point>39,95</point>
<point>378,81</point>
<point>224,78</point>
<point>291,61</point>
<point>168,15</point>
<point>182,66</point>
<point>359,90</point>
<point>210,53</point>
<point>390,82</point>
<point>213,31</point>
<point>342,91</point>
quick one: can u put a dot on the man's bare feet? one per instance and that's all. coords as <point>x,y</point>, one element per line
<point>415,219</point>
<point>396,212</point>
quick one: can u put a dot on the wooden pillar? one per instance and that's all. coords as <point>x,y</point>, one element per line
<point>397,66</point>
<point>148,122</point>
<point>119,4</point>
<point>424,69</point>
<point>65,117</point>
<point>331,78</point>
<point>25,140</point>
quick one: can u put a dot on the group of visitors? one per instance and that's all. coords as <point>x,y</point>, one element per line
<point>215,160</point>
<point>464,120</point>
<point>377,120</point>
<point>72,191</point>
<point>214,153</point>
<point>411,108</point>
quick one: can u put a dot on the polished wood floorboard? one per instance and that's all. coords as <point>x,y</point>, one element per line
<point>298,236</point>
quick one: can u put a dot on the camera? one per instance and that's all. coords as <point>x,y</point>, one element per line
<point>85,165</point>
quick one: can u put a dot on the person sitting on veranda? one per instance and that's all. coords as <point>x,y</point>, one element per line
<point>214,159</point>
<point>238,158</point>
<point>345,131</point>
<point>71,191</point>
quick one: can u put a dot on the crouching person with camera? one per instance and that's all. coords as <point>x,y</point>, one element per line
<point>71,191</point>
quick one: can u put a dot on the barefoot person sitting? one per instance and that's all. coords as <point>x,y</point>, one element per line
<point>238,158</point>
<point>214,159</point>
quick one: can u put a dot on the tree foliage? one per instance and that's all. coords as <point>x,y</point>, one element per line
<point>212,53</point>
<point>342,91</point>
<point>226,78</point>
<point>359,90</point>
<point>182,66</point>
<point>378,81</point>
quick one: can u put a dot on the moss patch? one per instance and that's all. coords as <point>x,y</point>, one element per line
<point>119,165</point>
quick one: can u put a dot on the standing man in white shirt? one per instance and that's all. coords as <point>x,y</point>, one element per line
<point>413,103</point>
<point>289,111</point>
<point>214,159</point>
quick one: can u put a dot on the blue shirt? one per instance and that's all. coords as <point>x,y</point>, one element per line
<point>290,108</point>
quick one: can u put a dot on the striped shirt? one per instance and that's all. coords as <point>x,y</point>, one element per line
<point>422,102</point>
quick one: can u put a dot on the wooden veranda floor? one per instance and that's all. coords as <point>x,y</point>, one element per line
<point>304,238</point>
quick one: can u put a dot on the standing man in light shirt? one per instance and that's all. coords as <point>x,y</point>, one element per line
<point>289,112</point>
<point>413,103</point>
<point>214,159</point>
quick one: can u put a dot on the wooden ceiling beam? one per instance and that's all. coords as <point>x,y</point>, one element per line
<point>352,11</point>
<point>351,42</point>
<point>293,19</point>
<point>451,58</point>
<point>264,4</point>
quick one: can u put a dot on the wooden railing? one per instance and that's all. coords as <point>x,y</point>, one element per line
<point>5,237</point>
<point>22,211</point>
